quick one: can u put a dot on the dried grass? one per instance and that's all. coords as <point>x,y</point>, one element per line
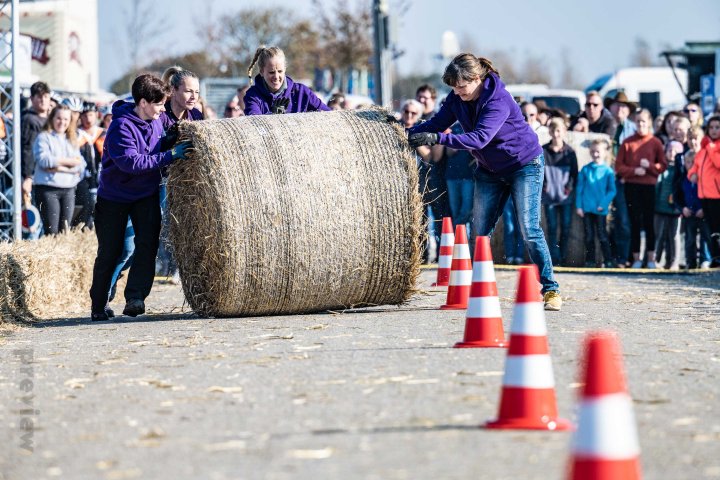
<point>47,278</point>
<point>284,214</point>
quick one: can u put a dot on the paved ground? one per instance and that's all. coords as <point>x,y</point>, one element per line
<point>368,395</point>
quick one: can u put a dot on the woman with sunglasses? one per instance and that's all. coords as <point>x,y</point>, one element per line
<point>510,161</point>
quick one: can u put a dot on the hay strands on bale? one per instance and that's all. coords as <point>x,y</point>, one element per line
<point>298,213</point>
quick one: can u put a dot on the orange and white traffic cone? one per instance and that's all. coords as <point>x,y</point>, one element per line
<point>605,445</point>
<point>483,322</point>
<point>528,395</point>
<point>445,255</point>
<point>460,273</point>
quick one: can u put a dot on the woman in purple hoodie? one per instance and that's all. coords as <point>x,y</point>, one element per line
<point>128,188</point>
<point>509,159</point>
<point>273,91</point>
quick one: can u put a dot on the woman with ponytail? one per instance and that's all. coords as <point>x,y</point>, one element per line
<point>273,91</point>
<point>509,159</point>
<point>184,95</point>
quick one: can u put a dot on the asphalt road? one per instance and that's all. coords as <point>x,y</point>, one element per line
<point>374,394</point>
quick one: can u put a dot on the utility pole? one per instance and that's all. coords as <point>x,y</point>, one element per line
<point>382,54</point>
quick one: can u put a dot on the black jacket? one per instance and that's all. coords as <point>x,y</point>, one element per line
<point>31,124</point>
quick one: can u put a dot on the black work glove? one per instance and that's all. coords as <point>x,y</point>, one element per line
<point>279,105</point>
<point>170,138</point>
<point>419,139</point>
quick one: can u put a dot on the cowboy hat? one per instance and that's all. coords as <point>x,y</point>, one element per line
<point>620,97</point>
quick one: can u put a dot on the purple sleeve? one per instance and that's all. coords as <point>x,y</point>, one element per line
<point>439,122</point>
<point>491,119</point>
<point>315,103</point>
<point>123,150</point>
<point>253,103</point>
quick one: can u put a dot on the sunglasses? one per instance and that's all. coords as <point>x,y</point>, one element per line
<point>232,109</point>
<point>411,113</point>
<point>690,110</point>
<point>588,104</point>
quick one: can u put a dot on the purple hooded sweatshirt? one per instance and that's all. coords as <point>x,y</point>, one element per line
<point>169,119</point>
<point>496,132</point>
<point>258,98</point>
<point>131,160</point>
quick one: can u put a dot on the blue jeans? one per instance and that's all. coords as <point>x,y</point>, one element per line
<point>125,259</point>
<point>558,251</point>
<point>524,185</point>
<point>460,196</point>
<point>620,228</point>
<point>512,237</point>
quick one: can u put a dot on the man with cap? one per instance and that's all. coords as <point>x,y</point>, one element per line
<point>621,109</point>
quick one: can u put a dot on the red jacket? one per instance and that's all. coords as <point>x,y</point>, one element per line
<point>635,148</point>
<point>707,168</point>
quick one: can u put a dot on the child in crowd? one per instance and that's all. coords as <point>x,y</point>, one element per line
<point>706,173</point>
<point>666,212</point>
<point>595,191</point>
<point>687,200</point>
<point>680,130</point>
<point>561,170</point>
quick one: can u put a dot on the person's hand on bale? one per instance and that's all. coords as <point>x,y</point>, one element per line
<point>180,150</point>
<point>280,105</point>
<point>170,138</point>
<point>420,139</point>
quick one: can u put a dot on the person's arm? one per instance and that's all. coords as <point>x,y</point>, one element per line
<point>622,167</point>
<point>315,104</point>
<point>658,164</point>
<point>253,104</point>
<point>42,151</point>
<point>574,171</point>
<point>692,174</point>
<point>489,122</point>
<point>27,136</point>
<point>439,122</point>
<point>713,156</point>
<point>609,190</point>
<point>677,190</point>
<point>123,149</point>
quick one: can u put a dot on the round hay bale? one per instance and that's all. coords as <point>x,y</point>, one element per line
<point>282,214</point>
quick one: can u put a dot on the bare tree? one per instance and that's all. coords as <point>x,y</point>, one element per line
<point>142,27</point>
<point>642,55</point>
<point>346,35</point>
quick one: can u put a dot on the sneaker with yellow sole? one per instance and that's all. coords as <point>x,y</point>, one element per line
<point>553,301</point>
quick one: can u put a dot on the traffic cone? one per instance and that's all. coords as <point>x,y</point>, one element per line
<point>528,395</point>
<point>460,273</point>
<point>483,322</point>
<point>605,445</point>
<point>445,255</point>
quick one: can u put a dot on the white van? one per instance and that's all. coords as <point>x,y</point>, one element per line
<point>634,81</point>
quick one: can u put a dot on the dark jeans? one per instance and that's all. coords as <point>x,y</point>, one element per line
<point>525,186</point>
<point>56,207</point>
<point>666,227</point>
<point>711,209</point>
<point>110,226</point>
<point>596,225</point>
<point>620,225</point>
<point>512,236</point>
<point>693,226</point>
<point>641,208</point>
<point>85,199</point>
<point>558,215</point>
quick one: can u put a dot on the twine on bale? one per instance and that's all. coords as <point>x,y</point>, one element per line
<point>281,214</point>
<point>46,278</point>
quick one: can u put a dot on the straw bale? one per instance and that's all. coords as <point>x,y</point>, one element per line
<point>282,214</point>
<point>46,278</point>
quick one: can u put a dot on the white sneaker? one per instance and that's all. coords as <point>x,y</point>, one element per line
<point>637,264</point>
<point>652,265</point>
<point>705,266</point>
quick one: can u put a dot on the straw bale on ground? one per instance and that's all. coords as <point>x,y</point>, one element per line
<point>46,278</point>
<point>282,214</point>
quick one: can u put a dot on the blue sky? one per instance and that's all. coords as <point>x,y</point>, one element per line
<point>596,38</point>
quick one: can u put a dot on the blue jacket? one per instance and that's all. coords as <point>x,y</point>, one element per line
<point>258,99</point>
<point>132,158</point>
<point>595,188</point>
<point>690,197</point>
<point>496,132</point>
